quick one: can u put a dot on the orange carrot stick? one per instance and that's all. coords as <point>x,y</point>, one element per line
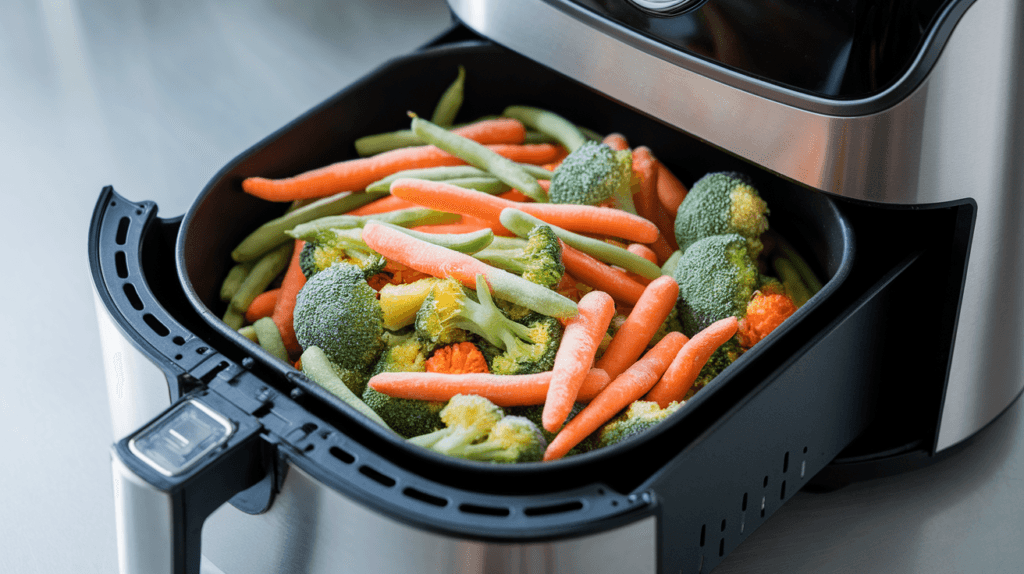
<point>284,310</point>
<point>382,205</point>
<point>643,321</point>
<point>648,206</point>
<point>356,174</point>
<point>670,190</point>
<point>598,275</point>
<point>624,389</point>
<point>442,262</point>
<point>683,371</point>
<point>580,218</point>
<point>262,306</point>
<point>502,390</point>
<point>616,141</point>
<point>582,335</point>
<point>643,251</point>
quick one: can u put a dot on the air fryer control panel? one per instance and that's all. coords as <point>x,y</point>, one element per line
<point>838,48</point>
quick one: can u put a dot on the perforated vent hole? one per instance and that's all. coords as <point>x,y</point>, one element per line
<point>341,455</point>
<point>133,297</point>
<point>377,476</point>
<point>178,340</point>
<point>424,497</point>
<point>122,230</point>
<point>554,508</point>
<point>484,510</point>
<point>121,264</point>
<point>155,324</point>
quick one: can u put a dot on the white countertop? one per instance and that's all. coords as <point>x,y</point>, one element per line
<point>153,98</point>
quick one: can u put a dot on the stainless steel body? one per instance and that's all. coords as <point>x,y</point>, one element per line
<point>959,134</point>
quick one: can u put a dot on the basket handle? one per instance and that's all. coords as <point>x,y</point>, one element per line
<point>170,475</point>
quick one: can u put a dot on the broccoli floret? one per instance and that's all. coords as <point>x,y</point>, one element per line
<point>407,417</point>
<point>716,278</point>
<point>592,174</point>
<point>467,419</point>
<point>477,429</point>
<point>332,246</point>
<point>720,204</point>
<point>539,260</point>
<point>338,311</point>
<point>402,354</point>
<point>510,347</point>
<point>640,416</point>
<point>534,414</point>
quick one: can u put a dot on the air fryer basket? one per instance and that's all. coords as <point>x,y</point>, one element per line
<point>223,214</point>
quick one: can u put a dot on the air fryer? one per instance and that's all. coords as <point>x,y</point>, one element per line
<point>856,383</point>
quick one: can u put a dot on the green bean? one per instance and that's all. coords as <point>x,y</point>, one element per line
<point>272,233</point>
<point>800,264</point>
<point>669,267</point>
<point>488,185</point>
<point>263,272</point>
<point>318,367</point>
<point>249,333</point>
<point>450,102</point>
<point>791,280</point>
<point>536,171</point>
<point>234,278</point>
<point>521,223</point>
<point>233,318</point>
<point>480,156</point>
<point>442,173</point>
<point>534,137</point>
<point>408,217</point>
<point>379,143</point>
<point>269,337</point>
<point>470,242</point>
<point>548,122</point>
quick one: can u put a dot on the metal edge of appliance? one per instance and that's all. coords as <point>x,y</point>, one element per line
<point>901,154</point>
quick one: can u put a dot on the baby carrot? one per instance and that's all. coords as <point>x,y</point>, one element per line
<point>262,306</point>
<point>643,251</point>
<point>590,271</point>
<point>356,174</point>
<point>578,218</point>
<point>502,390</point>
<point>645,167</point>
<point>643,321</point>
<point>441,262</point>
<point>616,141</point>
<point>685,367</point>
<point>284,309</point>
<point>670,190</point>
<point>624,389</point>
<point>575,355</point>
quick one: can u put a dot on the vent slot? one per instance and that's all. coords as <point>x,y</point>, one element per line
<point>342,455</point>
<point>133,297</point>
<point>554,508</point>
<point>158,327</point>
<point>703,533</point>
<point>743,507</point>
<point>424,497</point>
<point>121,264</point>
<point>782,492</point>
<point>785,462</point>
<point>122,231</point>
<point>484,510</point>
<point>721,548</point>
<point>377,476</point>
